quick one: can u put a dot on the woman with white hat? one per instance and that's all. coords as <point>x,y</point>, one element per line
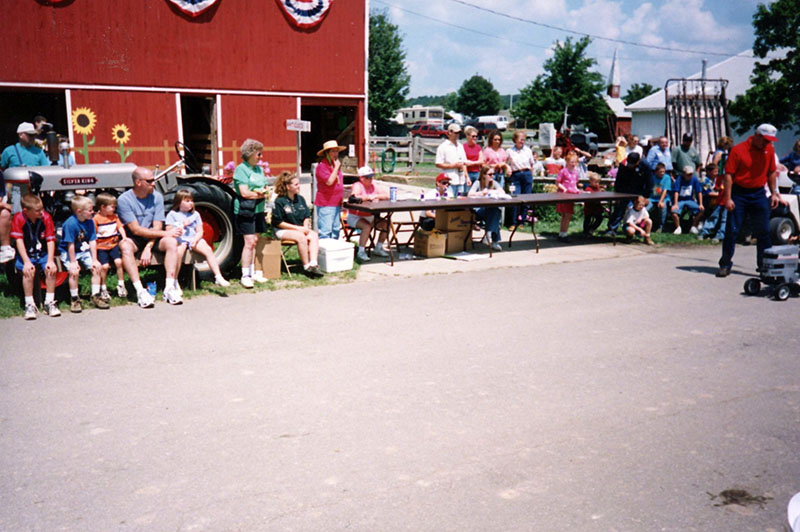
<point>365,190</point>
<point>330,190</point>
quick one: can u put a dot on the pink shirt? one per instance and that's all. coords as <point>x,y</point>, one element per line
<point>473,154</point>
<point>328,195</point>
<point>495,157</point>
<point>361,191</point>
<point>569,180</point>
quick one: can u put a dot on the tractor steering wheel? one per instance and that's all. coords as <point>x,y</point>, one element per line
<point>188,158</point>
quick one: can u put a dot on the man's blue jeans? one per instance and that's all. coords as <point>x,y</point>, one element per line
<point>490,216</point>
<point>755,203</point>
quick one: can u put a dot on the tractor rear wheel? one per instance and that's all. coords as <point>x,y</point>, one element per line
<point>214,202</point>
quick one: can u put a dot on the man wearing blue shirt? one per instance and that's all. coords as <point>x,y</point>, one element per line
<point>23,153</point>
<point>660,154</point>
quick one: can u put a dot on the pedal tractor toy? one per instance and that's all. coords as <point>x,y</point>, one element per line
<point>781,269</point>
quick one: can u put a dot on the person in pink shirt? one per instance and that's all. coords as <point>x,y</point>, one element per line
<point>474,153</point>
<point>366,190</point>
<point>495,156</point>
<point>567,181</point>
<point>330,190</point>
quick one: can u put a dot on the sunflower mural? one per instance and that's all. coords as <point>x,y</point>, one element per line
<point>83,122</point>
<point>121,135</point>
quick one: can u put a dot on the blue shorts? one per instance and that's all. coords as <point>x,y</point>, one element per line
<point>39,262</point>
<point>104,256</point>
<point>691,205</point>
<point>83,257</point>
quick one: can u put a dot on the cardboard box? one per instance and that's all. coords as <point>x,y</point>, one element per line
<point>335,255</point>
<point>459,220</point>
<point>429,243</point>
<point>268,257</point>
<point>458,241</point>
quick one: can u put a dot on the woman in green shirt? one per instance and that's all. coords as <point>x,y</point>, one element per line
<point>291,220</point>
<point>250,185</point>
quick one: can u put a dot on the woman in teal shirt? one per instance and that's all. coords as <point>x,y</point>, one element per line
<point>250,185</point>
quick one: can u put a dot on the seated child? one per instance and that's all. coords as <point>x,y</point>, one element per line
<point>35,238</point>
<point>660,198</point>
<point>637,221</point>
<point>79,246</point>
<point>6,251</point>
<point>686,195</point>
<point>719,214</point>
<point>592,211</point>
<point>184,216</point>
<point>110,232</point>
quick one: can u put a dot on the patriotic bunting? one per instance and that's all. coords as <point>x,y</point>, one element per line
<point>193,7</point>
<point>305,14</point>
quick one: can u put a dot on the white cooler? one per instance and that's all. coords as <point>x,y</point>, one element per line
<point>335,255</point>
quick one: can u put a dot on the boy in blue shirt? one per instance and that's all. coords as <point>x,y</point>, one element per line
<point>79,246</point>
<point>660,198</point>
<point>687,195</point>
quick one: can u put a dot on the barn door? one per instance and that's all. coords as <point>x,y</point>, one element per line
<point>200,130</point>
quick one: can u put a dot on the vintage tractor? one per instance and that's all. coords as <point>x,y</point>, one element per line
<point>57,185</point>
<point>780,269</point>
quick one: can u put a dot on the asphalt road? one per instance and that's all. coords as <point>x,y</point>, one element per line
<point>611,395</point>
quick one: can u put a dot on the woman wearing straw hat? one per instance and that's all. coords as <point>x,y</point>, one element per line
<point>330,190</point>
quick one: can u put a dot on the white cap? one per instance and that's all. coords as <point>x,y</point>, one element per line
<point>26,127</point>
<point>768,131</point>
<point>454,128</point>
<point>366,171</point>
<point>793,512</point>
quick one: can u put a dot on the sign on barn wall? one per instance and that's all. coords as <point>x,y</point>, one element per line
<point>305,14</point>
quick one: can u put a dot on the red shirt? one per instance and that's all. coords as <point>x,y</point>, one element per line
<point>328,195</point>
<point>750,166</point>
<point>473,154</point>
<point>41,231</point>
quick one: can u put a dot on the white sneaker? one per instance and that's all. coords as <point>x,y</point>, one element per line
<point>6,254</point>
<point>52,309</point>
<point>172,296</point>
<point>178,289</point>
<point>485,240</point>
<point>31,311</point>
<point>497,247</point>
<point>145,299</point>
<point>380,252</point>
<point>694,230</point>
<point>260,279</point>
<point>104,295</point>
<point>247,282</point>
<point>221,281</point>
<point>677,231</point>
<point>121,290</point>
<point>362,256</point>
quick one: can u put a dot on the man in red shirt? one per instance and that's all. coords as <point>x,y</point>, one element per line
<point>750,166</point>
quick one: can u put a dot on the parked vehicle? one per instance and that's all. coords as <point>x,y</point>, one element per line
<point>427,131</point>
<point>785,219</point>
<point>586,141</point>
<point>420,114</point>
<point>498,120</point>
<point>484,128</point>
<point>212,199</point>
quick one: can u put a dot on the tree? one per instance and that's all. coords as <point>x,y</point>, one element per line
<point>388,79</point>
<point>477,96</point>
<point>775,92</point>
<point>566,81</point>
<point>638,91</point>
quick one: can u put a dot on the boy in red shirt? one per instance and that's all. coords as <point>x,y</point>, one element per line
<point>35,238</point>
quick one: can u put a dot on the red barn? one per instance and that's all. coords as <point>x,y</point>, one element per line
<point>126,79</point>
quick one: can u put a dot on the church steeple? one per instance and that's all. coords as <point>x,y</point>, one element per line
<point>613,78</point>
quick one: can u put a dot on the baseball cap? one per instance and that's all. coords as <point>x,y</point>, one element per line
<point>26,127</point>
<point>454,128</point>
<point>793,512</point>
<point>688,169</point>
<point>768,131</point>
<point>365,171</point>
<point>442,177</point>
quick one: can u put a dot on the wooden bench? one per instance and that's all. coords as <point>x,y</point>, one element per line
<point>189,258</point>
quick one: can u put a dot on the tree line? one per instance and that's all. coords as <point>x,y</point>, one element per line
<point>569,79</point>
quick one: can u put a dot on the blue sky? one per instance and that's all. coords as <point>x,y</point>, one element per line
<point>510,53</point>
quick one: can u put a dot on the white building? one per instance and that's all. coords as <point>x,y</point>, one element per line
<point>648,114</point>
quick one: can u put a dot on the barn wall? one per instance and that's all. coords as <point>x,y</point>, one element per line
<point>237,44</point>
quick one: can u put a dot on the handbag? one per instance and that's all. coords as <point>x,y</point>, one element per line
<point>247,207</point>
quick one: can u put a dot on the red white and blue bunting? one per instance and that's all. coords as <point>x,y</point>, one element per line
<point>193,7</point>
<point>305,14</point>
